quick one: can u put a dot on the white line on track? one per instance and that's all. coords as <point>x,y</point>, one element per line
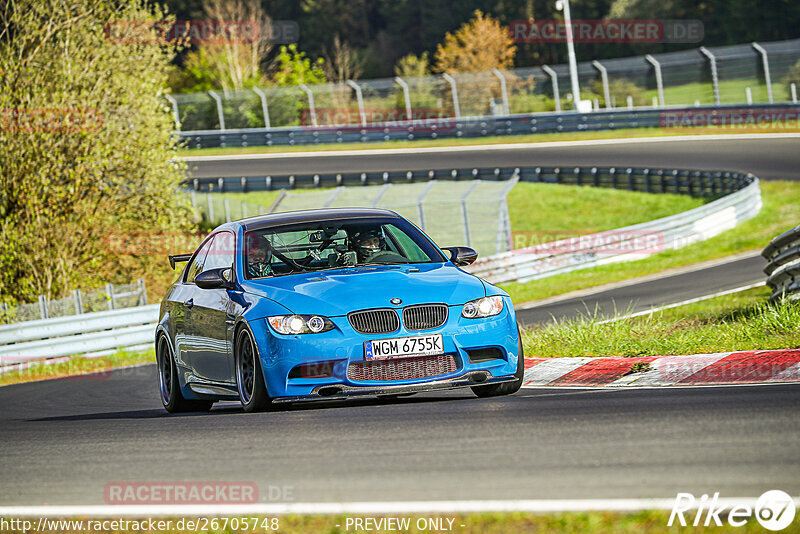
<point>389,507</point>
<point>674,271</point>
<point>650,311</point>
<point>491,147</point>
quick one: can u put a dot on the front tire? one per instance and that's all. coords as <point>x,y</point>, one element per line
<point>171,396</point>
<point>506,388</point>
<point>249,375</point>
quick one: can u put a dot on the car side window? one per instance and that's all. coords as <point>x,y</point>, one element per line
<point>220,255</point>
<point>196,266</point>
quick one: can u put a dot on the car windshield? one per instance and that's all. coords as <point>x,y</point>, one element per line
<point>334,244</point>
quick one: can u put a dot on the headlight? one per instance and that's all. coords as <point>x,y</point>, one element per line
<point>485,307</point>
<point>300,324</point>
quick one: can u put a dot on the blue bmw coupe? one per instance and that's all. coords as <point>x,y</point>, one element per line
<point>330,304</point>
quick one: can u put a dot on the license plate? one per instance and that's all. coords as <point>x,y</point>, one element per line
<point>402,347</point>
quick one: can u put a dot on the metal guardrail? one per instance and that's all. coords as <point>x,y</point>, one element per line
<point>734,115</point>
<point>78,334</point>
<point>647,180</point>
<point>80,301</point>
<point>783,267</point>
<point>631,242</point>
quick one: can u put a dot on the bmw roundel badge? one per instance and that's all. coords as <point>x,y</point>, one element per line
<point>396,301</point>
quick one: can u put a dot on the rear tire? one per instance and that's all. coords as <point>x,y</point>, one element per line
<point>169,388</point>
<point>249,375</point>
<point>506,388</point>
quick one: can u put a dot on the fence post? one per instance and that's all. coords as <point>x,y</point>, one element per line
<point>761,50</point>
<point>277,201</point>
<point>332,198</point>
<point>142,292</point>
<point>76,296</point>
<point>360,99</point>
<point>175,114</point>
<point>604,78</point>
<point>43,307</point>
<point>504,224</point>
<point>311,108</point>
<point>110,293</point>
<point>211,218</point>
<point>464,215</point>
<point>264,108</point>
<point>454,90</point>
<point>220,114</point>
<point>384,189</point>
<point>227,209</point>
<point>554,79</point>
<point>748,96</point>
<point>406,95</point>
<point>712,60</point>
<point>659,80</point>
<point>244,209</point>
<point>793,88</point>
<point>503,90</point>
<point>420,199</point>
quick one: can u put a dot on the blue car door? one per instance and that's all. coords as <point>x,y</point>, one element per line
<point>182,301</point>
<point>212,357</point>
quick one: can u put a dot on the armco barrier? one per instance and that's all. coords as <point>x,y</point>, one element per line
<point>78,334</point>
<point>733,116</point>
<point>783,269</point>
<point>623,244</point>
<point>646,180</point>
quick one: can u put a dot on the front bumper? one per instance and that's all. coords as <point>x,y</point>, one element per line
<point>343,346</point>
<point>344,392</point>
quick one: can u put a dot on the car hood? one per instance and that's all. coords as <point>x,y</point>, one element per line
<point>336,293</point>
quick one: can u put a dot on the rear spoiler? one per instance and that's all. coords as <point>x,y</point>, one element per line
<point>178,258</point>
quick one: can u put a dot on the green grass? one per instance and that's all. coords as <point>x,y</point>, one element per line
<point>77,366</point>
<point>480,141</point>
<point>541,213</point>
<point>741,321</point>
<point>730,92</point>
<point>780,212</point>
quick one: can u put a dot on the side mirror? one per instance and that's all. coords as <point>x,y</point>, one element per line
<point>462,255</point>
<point>214,279</point>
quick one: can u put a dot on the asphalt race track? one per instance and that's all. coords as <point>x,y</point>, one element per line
<point>652,293</point>
<point>767,158</point>
<point>64,440</point>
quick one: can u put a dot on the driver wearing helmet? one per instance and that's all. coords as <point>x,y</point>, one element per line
<point>258,265</point>
<point>367,243</point>
<point>370,246</point>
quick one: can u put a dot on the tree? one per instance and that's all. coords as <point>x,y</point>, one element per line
<point>413,65</point>
<point>481,44</point>
<point>342,62</point>
<point>292,67</point>
<point>230,63</point>
<point>87,151</point>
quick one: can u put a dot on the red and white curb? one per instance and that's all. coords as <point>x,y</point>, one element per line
<point>749,367</point>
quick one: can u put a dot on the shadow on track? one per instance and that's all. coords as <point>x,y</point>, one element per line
<point>232,408</point>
